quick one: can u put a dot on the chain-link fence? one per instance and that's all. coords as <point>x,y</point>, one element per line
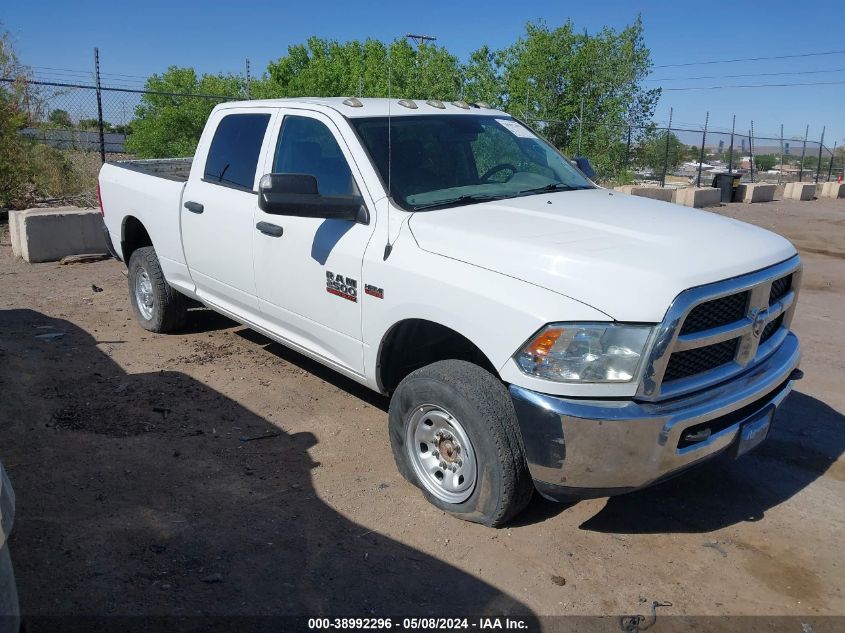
<point>680,156</point>
<point>79,126</point>
<point>85,124</point>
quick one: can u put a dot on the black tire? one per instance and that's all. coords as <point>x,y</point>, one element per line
<point>169,308</point>
<point>503,485</point>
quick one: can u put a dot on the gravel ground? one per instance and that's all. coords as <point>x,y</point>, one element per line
<point>216,472</point>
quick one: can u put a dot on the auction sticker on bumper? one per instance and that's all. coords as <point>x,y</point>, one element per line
<point>754,431</point>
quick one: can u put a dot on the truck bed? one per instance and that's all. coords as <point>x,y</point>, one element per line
<point>170,168</point>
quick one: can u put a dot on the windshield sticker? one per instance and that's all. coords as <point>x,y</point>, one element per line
<point>516,128</point>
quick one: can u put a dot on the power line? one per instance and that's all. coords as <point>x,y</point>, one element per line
<point>86,72</point>
<point>749,59</point>
<point>795,72</point>
<point>809,83</point>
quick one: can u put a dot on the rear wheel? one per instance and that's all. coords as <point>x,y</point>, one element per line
<point>157,306</point>
<point>454,435</point>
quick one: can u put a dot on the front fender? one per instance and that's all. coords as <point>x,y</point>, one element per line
<point>495,312</point>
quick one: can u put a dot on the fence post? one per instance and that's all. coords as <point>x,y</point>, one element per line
<point>819,164</point>
<point>751,150</point>
<point>246,91</point>
<point>803,152</point>
<point>731,150</point>
<point>99,104</point>
<point>701,153</point>
<point>830,163</point>
<point>666,151</point>
<point>780,175</point>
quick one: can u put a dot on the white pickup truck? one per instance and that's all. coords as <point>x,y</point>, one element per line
<point>533,330</point>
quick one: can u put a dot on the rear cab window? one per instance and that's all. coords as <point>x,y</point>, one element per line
<point>233,155</point>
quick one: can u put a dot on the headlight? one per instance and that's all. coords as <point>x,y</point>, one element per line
<point>585,352</point>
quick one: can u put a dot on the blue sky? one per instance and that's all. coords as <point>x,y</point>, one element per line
<point>140,38</point>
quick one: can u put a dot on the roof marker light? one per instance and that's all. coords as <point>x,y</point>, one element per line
<point>461,104</point>
<point>352,102</point>
<point>407,103</point>
<point>436,103</point>
<point>482,104</point>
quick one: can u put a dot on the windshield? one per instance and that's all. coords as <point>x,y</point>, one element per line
<point>438,160</point>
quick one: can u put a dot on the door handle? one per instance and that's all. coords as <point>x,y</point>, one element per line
<point>194,207</point>
<point>273,230</point>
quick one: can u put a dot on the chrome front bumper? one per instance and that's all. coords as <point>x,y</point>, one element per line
<point>589,448</point>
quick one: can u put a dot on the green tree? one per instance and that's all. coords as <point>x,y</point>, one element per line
<point>482,78</point>
<point>60,118</point>
<point>765,162</point>
<point>15,171</point>
<point>549,73</point>
<point>327,68</point>
<point>166,122</point>
<point>651,152</point>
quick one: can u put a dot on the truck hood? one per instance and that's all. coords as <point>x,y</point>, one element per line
<point>626,256</point>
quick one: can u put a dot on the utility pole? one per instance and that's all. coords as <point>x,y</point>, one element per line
<point>420,39</point>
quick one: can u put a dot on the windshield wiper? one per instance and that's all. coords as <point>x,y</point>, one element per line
<point>554,186</point>
<point>475,197</point>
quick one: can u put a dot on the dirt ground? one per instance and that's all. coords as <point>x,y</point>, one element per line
<point>216,472</point>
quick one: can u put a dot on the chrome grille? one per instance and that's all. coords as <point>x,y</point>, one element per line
<point>695,361</point>
<point>779,288</point>
<point>714,332</point>
<point>714,313</point>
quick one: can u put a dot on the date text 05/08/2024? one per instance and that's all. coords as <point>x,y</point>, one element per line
<point>421,624</point>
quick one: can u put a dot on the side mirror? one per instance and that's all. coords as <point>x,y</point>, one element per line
<point>297,195</point>
<point>583,163</point>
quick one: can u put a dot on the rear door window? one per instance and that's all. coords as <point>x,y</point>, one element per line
<point>233,155</point>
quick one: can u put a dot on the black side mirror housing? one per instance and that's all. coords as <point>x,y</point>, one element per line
<point>583,163</point>
<point>297,195</point>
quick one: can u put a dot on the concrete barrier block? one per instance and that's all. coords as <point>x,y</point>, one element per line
<point>833,190</point>
<point>698,197</point>
<point>655,193</point>
<point>47,235</point>
<point>787,190</point>
<point>800,191</point>
<point>756,192</point>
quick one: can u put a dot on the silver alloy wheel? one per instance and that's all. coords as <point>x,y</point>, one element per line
<point>144,297</point>
<point>441,453</point>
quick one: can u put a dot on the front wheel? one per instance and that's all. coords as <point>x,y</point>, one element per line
<point>454,435</point>
<point>157,306</point>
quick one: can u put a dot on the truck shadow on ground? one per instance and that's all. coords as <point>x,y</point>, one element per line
<point>137,494</point>
<point>313,367</point>
<point>804,444</point>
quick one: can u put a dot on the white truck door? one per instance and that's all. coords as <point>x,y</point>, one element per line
<point>218,205</point>
<point>308,275</point>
